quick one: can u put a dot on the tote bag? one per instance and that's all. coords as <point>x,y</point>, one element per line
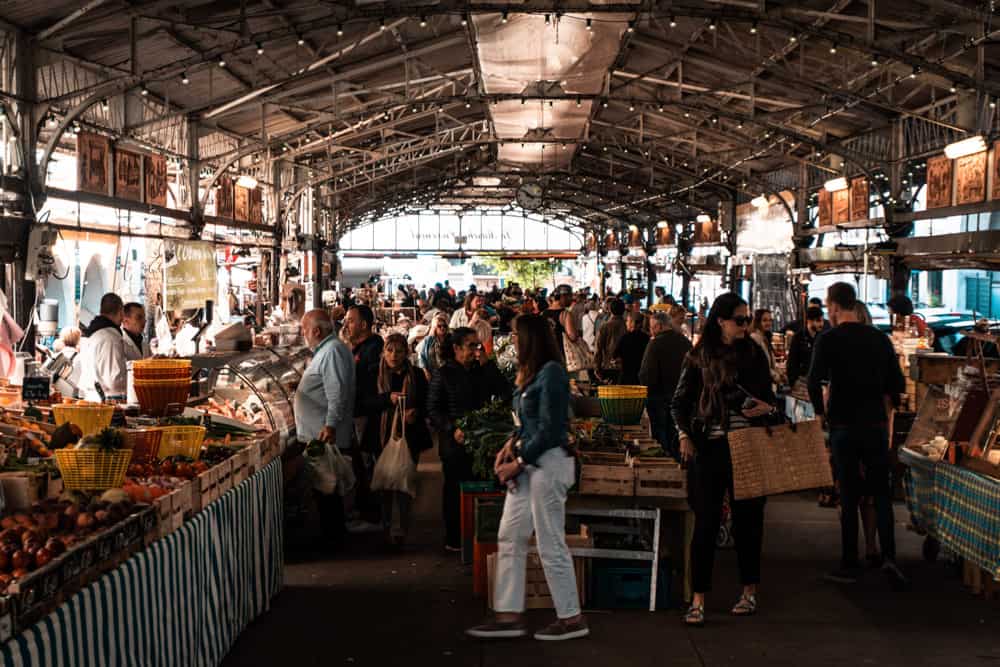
<point>394,470</point>
<point>776,459</point>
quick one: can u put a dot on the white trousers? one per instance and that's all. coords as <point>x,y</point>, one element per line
<point>538,504</point>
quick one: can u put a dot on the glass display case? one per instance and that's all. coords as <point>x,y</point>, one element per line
<point>258,387</point>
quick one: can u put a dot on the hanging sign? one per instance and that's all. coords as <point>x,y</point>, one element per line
<point>825,213</point>
<point>156,180</point>
<point>665,235</point>
<point>970,178</point>
<point>256,206</point>
<point>859,198</point>
<point>92,162</point>
<point>128,175</point>
<point>939,172</point>
<point>995,188</point>
<point>841,206</point>
<point>707,233</point>
<point>242,207</point>
<point>190,274</point>
<point>224,197</point>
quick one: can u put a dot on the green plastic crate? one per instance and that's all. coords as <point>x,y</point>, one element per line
<point>624,584</point>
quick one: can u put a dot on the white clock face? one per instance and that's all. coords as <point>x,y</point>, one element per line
<point>529,196</point>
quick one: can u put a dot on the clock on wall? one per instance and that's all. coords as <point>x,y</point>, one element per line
<point>529,196</point>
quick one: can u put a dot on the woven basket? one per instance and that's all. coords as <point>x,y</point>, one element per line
<point>161,373</point>
<point>91,469</point>
<point>181,441</point>
<point>622,404</point>
<point>144,443</point>
<point>90,417</point>
<point>145,364</point>
<point>156,395</point>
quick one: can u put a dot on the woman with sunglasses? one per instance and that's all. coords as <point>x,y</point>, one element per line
<point>460,386</point>
<point>725,385</point>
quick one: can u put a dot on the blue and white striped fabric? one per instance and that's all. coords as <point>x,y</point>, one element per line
<point>181,601</point>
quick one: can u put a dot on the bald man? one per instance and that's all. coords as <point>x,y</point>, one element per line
<point>324,401</point>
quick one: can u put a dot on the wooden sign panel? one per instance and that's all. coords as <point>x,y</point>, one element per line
<point>156,180</point>
<point>665,236</point>
<point>128,175</point>
<point>825,216</point>
<point>93,154</point>
<point>841,206</point>
<point>256,206</point>
<point>241,210</point>
<point>611,241</point>
<point>224,197</point>
<point>970,178</point>
<point>995,189</point>
<point>859,199</point>
<point>939,181</point>
<point>591,242</point>
<point>707,232</point>
<point>635,238</point>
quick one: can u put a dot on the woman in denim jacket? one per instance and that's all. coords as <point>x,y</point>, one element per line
<point>538,471</point>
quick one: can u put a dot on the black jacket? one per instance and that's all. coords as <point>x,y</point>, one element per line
<point>630,350</point>
<point>456,391</point>
<point>661,365</point>
<point>753,374</point>
<point>800,354</point>
<point>418,436</point>
<point>99,322</point>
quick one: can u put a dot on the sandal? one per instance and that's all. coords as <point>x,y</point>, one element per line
<point>695,616</point>
<point>746,605</point>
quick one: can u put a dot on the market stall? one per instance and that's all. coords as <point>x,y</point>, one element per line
<point>126,525</point>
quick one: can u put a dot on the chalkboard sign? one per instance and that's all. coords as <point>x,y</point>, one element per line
<point>35,389</point>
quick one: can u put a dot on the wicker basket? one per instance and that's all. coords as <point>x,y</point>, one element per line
<point>156,395</point>
<point>144,443</point>
<point>162,363</point>
<point>161,373</point>
<point>622,404</point>
<point>92,469</point>
<point>90,417</point>
<point>181,441</point>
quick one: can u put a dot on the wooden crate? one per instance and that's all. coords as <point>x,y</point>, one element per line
<point>663,478</point>
<point>205,489</point>
<point>536,590</point>
<point>606,475</point>
<point>173,508</point>
<point>224,477</point>
<point>241,466</point>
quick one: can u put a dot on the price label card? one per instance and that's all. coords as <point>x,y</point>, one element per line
<point>35,389</point>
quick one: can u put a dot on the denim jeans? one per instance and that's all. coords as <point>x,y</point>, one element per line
<point>661,424</point>
<point>861,459</point>
<point>539,504</point>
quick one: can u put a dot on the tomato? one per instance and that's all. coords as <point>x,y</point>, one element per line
<point>185,471</point>
<point>167,468</point>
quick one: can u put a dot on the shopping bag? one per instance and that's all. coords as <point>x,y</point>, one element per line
<point>394,470</point>
<point>324,470</point>
<point>776,459</point>
<point>346,480</point>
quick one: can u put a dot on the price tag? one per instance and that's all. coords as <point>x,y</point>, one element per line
<point>35,389</point>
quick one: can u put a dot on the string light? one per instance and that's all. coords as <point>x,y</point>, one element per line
<point>381,24</point>
<point>503,16</point>
<point>465,21</point>
<point>423,21</point>
<point>590,24</point>
<point>711,24</point>
<point>753,28</point>
<point>673,21</point>
<point>340,30</point>
<point>184,78</point>
<point>833,48</point>
<point>222,62</point>
<point>260,49</point>
<point>144,91</point>
<point>631,26</point>
<point>301,40</point>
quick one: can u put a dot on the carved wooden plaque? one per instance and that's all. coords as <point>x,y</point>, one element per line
<point>825,216</point>
<point>995,188</point>
<point>224,197</point>
<point>242,206</point>
<point>591,242</point>
<point>156,180</point>
<point>92,162</point>
<point>256,206</point>
<point>128,175</point>
<point>841,206</point>
<point>859,199</point>
<point>665,236</point>
<point>939,181</point>
<point>970,178</point>
<point>611,241</point>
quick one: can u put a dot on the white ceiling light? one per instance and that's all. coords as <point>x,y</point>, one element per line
<point>246,181</point>
<point>836,184</point>
<point>662,224</point>
<point>760,201</point>
<point>704,217</point>
<point>965,147</point>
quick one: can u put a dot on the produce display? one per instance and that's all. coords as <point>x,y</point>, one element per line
<point>486,430</point>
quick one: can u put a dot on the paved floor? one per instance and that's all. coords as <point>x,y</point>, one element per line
<point>363,607</point>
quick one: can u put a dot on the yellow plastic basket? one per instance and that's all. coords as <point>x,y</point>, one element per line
<point>181,441</point>
<point>90,417</point>
<point>622,404</point>
<point>91,469</point>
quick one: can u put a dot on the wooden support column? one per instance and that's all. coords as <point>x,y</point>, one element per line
<point>193,177</point>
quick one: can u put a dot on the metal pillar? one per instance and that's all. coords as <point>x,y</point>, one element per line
<point>317,249</point>
<point>193,179</point>
<point>23,292</point>
<point>279,233</point>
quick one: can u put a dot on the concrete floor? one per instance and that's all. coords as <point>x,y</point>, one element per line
<point>364,607</point>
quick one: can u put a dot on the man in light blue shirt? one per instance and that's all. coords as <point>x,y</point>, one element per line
<point>324,401</point>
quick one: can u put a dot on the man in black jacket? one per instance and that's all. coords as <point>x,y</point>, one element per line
<point>660,370</point>
<point>800,350</point>
<point>367,350</point>
<point>860,365</point>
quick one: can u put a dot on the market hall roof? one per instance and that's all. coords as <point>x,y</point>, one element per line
<point>624,112</point>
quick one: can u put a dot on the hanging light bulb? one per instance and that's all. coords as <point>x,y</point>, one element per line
<point>381,24</point>
<point>423,21</point>
<point>503,16</point>
<point>590,24</point>
<point>753,28</point>
<point>222,62</point>
<point>144,91</point>
<point>184,78</point>
<point>105,104</point>
<point>340,30</point>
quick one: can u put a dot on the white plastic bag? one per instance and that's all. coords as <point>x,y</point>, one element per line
<point>346,481</point>
<point>324,471</point>
<point>394,470</point>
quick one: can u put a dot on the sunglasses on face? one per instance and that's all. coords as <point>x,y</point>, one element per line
<point>741,320</point>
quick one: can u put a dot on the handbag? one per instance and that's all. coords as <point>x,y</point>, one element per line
<point>769,460</point>
<point>395,470</point>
